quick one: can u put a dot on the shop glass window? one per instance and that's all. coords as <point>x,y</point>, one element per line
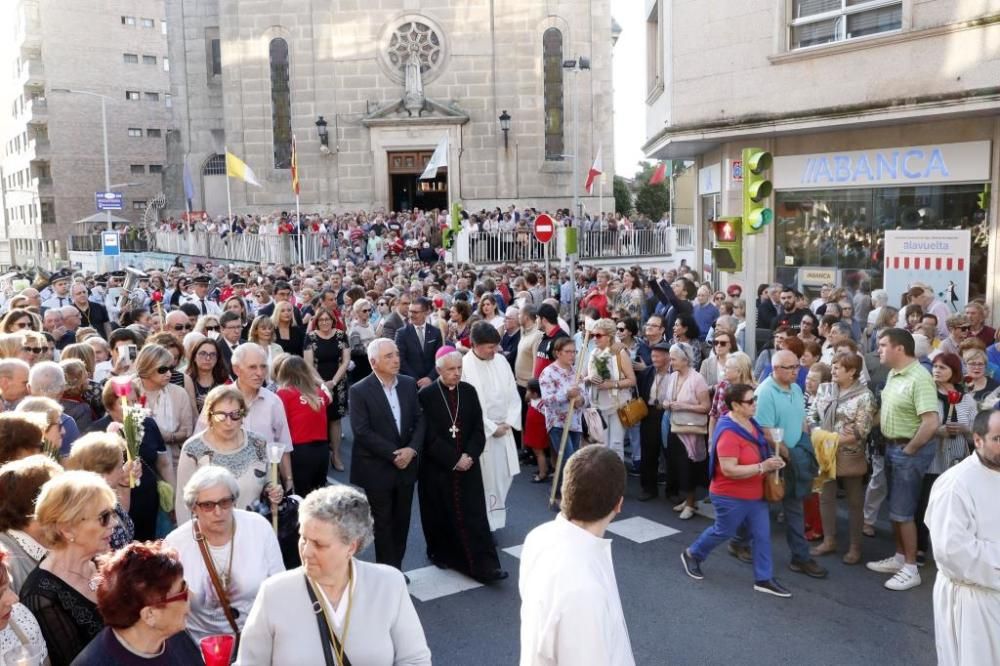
<point>844,229</point>
<point>816,22</point>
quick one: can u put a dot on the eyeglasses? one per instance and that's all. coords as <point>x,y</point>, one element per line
<point>976,364</point>
<point>220,417</point>
<point>366,310</point>
<point>620,329</point>
<point>748,402</point>
<point>211,328</point>
<point>104,517</point>
<point>181,327</point>
<point>598,336</point>
<point>232,327</point>
<point>33,350</point>
<point>786,367</point>
<point>965,329</point>
<point>179,596</point>
<point>568,351</point>
<point>225,504</point>
<point>207,355</point>
<point>163,369</point>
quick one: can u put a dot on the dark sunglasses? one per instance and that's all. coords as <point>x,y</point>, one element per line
<point>181,327</point>
<point>179,596</point>
<point>748,402</point>
<point>225,504</point>
<point>598,336</point>
<point>211,328</point>
<point>163,369</point>
<point>220,417</point>
<point>720,343</point>
<point>104,517</point>
<point>366,310</point>
<point>34,350</point>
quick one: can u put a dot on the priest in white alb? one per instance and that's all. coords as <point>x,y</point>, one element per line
<point>965,533</point>
<point>494,381</point>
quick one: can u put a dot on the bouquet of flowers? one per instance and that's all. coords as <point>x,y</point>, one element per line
<point>602,360</point>
<point>133,416</point>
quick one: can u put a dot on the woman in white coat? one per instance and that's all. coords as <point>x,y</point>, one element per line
<point>367,615</point>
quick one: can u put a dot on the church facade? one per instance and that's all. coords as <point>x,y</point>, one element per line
<point>368,88</point>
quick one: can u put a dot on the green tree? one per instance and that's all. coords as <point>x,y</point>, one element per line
<point>651,200</point>
<point>623,198</point>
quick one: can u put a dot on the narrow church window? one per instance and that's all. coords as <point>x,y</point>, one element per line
<point>281,105</point>
<point>552,56</point>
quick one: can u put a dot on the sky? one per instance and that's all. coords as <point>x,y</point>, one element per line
<point>629,77</point>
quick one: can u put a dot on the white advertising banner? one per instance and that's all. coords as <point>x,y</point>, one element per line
<point>883,167</point>
<point>939,259</point>
<point>710,179</point>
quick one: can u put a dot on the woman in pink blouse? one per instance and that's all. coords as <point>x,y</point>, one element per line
<point>561,386</point>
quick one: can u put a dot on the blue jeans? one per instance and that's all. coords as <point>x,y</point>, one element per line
<point>730,515</point>
<point>632,434</point>
<point>905,474</point>
<point>572,445</point>
<point>795,530</point>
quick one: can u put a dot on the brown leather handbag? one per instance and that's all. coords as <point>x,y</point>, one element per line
<point>633,412</point>
<point>774,486</point>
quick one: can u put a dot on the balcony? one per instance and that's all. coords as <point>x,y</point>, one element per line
<point>39,148</point>
<point>32,73</point>
<point>36,111</point>
<point>43,184</point>
<point>28,32</point>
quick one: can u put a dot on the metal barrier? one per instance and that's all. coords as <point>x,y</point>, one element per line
<point>685,237</point>
<point>484,248</point>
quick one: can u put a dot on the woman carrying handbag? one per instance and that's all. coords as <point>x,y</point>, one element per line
<point>611,379</point>
<point>688,404</point>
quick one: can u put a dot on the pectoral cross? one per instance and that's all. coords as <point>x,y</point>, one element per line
<point>454,431</point>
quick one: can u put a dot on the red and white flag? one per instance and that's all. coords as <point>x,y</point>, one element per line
<point>596,170</point>
<point>659,175</point>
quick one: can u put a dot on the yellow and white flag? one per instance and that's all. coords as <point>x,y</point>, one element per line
<point>237,168</point>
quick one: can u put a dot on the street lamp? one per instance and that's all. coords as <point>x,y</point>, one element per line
<point>504,127</point>
<point>104,128</point>
<point>575,66</point>
<point>324,135</point>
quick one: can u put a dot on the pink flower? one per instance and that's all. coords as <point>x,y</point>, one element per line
<point>123,387</point>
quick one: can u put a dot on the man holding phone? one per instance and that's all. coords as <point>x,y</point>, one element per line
<point>124,344</point>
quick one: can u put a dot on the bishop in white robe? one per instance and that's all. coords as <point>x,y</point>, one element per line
<point>965,533</point>
<point>493,380</point>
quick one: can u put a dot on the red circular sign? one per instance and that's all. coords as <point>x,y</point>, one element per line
<point>545,228</point>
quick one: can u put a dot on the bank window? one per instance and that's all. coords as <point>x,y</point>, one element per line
<point>845,229</point>
<point>552,59</point>
<point>817,22</point>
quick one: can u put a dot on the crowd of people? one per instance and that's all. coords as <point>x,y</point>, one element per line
<point>220,520</point>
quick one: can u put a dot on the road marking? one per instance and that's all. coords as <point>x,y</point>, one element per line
<point>431,582</point>
<point>514,551</point>
<point>640,529</point>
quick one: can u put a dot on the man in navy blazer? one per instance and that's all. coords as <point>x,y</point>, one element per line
<point>416,359</point>
<point>388,427</point>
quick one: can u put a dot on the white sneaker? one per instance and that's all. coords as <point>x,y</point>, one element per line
<point>687,513</point>
<point>680,507</point>
<point>889,565</point>
<point>903,580</point>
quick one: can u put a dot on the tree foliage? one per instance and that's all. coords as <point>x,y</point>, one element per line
<point>651,200</point>
<point>623,198</point>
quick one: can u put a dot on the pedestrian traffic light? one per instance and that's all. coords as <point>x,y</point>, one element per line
<point>727,247</point>
<point>757,189</point>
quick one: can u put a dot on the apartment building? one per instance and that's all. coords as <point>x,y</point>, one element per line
<point>880,114</point>
<point>58,62</point>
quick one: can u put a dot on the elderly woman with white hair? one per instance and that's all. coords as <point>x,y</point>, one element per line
<point>688,404</point>
<point>360,333</point>
<point>46,380</point>
<point>335,607</point>
<point>227,553</point>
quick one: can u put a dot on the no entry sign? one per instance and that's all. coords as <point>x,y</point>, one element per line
<point>544,228</point>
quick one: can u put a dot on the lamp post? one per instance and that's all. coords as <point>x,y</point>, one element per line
<point>104,129</point>
<point>504,127</point>
<point>324,135</point>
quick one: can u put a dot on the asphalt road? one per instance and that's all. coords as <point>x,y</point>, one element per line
<point>847,618</point>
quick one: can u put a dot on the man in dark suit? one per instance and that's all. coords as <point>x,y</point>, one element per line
<point>231,336</point>
<point>652,382</point>
<point>418,343</point>
<point>396,320</point>
<point>388,427</point>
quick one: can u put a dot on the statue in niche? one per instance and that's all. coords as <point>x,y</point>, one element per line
<point>413,98</point>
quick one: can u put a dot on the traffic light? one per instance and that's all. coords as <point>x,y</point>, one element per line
<point>757,189</point>
<point>727,247</point>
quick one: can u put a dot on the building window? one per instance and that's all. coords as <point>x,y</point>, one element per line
<point>135,131</point>
<point>128,20</point>
<point>153,134</point>
<point>166,64</point>
<point>152,97</point>
<point>281,105</point>
<point>155,168</point>
<point>215,166</point>
<point>138,169</point>
<point>215,65</point>
<point>654,52</point>
<point>816,22</point>
<point>148,23</point>
<point>552,57</point>
<point>148,60</point>
<point>139,204</point>
<point>131,58</point>
<point>132,95</point>
<point>163,26</point>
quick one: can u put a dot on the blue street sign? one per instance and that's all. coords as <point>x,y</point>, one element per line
<point>110,241</point>
<point>110,201</point>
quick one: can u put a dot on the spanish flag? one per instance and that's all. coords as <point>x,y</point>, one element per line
<point>237,168</point>
<point>295,168</point>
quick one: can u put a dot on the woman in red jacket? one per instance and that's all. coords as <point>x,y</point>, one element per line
<point>301,392</point>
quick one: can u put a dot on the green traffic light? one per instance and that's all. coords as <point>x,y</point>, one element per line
<point>759,161</point>
<point>759,190</point>
<point>760,217</point>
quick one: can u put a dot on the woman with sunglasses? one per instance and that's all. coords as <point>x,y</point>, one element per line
<point>208,325</point>
<point>207,369</point>
<point>737,463</point>
<point>239,546</point>
<point>169,405</point>
<point>713,367</point>
<point>144,601</point>
<point>226,443</point>
<point>35,347</point>
<point>76,514</point>
<point>360,333</point>
<point>104,453</point>
<point>18,320</point>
